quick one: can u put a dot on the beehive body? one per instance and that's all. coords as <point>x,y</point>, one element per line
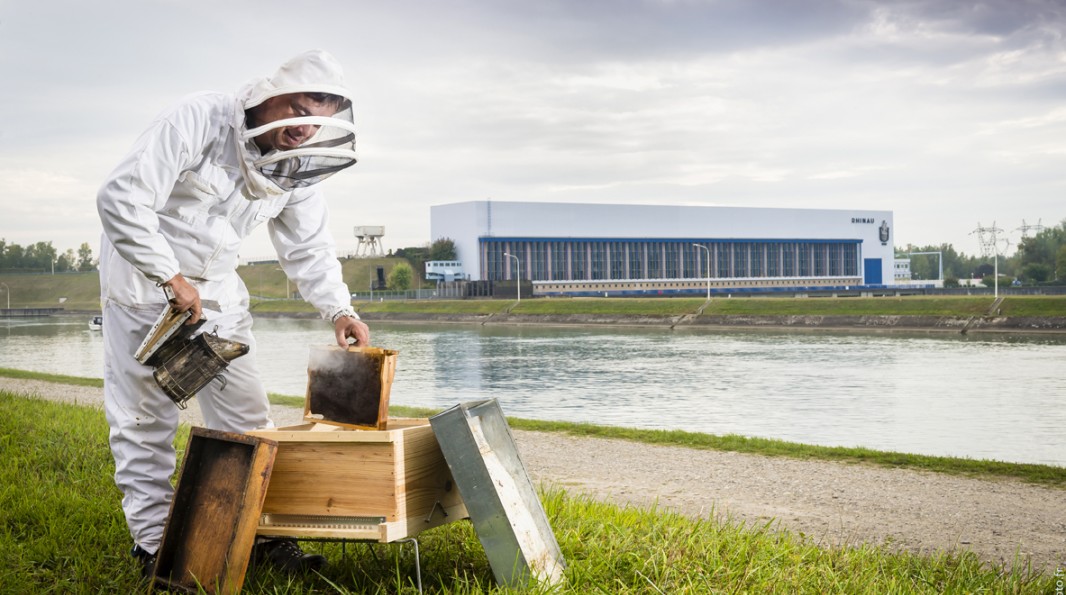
<point>381,485</point>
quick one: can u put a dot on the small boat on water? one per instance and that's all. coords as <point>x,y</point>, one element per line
<point>96,323</point>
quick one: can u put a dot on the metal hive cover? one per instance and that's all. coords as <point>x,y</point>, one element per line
<point>503,505</point>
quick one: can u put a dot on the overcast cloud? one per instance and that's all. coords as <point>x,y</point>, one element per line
<point>948,113</point>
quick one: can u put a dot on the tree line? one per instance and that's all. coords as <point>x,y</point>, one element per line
<point>1040,259</point>
<point>402,276</point>
<point>43,257</point>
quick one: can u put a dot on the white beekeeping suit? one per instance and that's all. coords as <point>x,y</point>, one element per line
<point>193,186</point>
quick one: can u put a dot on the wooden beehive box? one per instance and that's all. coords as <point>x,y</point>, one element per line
<point>350,387</point>
<point>380,485</point>
<point>213,517</point>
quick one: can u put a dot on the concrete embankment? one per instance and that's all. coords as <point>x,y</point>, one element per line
<point>873,323</point>
<point>930,323</point>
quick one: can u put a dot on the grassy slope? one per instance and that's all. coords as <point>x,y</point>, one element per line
<point>267,280</point>
<point>61,530</point>
<point>81,290</point>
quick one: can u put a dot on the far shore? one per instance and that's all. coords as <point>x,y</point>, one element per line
<point>714,323</point>
<point>865,324</point>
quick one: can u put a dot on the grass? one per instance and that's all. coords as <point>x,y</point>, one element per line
<point>57,378</point>
<point>62,531</point>
<point>1038,474</point>
<point>1048,475</point>
<point>82,290</point>
<point>611,306</point>
<point>79,291</point>
<point>882,306</point>
<point>1034,306</point>
<point>453,307</point>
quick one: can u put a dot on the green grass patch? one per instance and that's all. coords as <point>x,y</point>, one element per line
<point>281,307</point>
<point>852,306</point>
<point>1039,474</point>
<point>61,530</point>
<point>267,284</point>
<point>457,307</point>
<point>1034,306</point>
<point>961,307</point>
<point>611,306</point>
<point>70,291</point>
<point>286,400</point>
<point>57,378</point>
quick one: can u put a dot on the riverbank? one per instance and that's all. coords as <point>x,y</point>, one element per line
<point>695,322</point>
<point>873,323</point>
<point>78,295</point>
<point>1003,522</point>
<point>1014,314</point>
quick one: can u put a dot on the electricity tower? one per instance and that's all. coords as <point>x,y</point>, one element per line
<point>986,237</point>
<point>1025,228</point>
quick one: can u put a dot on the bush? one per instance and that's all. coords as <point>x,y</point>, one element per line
<point>1036,273</point>
<point>990,281</point>
<point>400,277</point>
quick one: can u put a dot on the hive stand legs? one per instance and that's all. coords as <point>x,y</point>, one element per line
<point>344,552</point>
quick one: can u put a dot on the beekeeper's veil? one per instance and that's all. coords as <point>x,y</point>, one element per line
<point>329,150</point>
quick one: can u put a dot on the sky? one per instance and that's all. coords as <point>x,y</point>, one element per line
<point>950,114</point>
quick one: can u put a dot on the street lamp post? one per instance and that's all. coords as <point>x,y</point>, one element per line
<point>995,268</point>
<point>518,274</point>
<point>708,251</point>
<point>995,272</point>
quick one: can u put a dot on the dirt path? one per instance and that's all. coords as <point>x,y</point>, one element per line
<point>832,503</point>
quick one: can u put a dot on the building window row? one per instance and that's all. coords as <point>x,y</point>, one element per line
<point>595,260</point>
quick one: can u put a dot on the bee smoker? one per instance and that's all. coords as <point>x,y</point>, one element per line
<point>184,361</point>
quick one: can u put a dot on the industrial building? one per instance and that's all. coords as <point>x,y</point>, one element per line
<point>581,248</point>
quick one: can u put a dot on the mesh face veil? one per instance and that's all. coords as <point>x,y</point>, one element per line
<point>329,150</point>
<point>321,136</point>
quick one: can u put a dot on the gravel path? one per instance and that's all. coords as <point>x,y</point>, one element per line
<point>832,503</point>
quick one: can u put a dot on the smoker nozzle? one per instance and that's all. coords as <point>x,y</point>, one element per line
<point>226,349</point>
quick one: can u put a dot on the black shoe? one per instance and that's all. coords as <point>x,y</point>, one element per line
<point>286,556</point>
<point>146,560</point>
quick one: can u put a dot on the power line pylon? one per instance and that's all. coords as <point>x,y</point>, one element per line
<point>1025,228</point>
<point>986,237</point>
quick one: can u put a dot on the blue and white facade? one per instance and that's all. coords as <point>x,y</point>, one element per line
<point>625,244</point>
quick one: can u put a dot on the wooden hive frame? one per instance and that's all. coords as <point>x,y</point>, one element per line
<point>350,387</point>
<point>213,517</point>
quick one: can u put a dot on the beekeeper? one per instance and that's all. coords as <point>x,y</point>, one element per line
<point>205,174</point>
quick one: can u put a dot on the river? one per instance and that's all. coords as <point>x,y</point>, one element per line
<point>983,396</point>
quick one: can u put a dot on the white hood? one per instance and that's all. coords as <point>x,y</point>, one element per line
<point>330,150</point>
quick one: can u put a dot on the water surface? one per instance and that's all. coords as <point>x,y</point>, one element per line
<point>982,396</point>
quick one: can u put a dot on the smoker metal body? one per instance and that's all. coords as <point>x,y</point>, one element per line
<point>194,363</point>
<point>506,512</point>
<point>185,362</point>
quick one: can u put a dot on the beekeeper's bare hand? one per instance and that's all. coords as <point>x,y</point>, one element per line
<point>186,298</point>
<point>346,327</point>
